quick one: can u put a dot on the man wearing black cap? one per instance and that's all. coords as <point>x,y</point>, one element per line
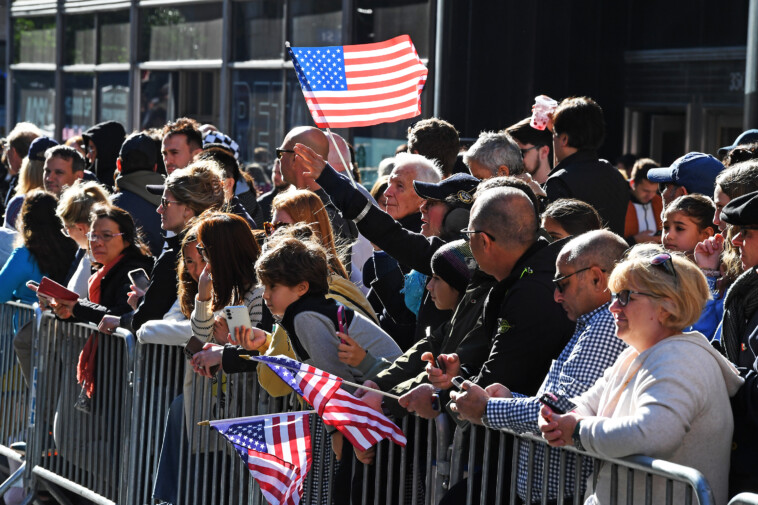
<point>136,168</point>
<point>745,138</point>
<point>739,342</point>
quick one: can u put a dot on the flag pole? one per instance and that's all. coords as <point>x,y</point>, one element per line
<point>262,416</point>
<point>339,153</point>
<point>359,386</point>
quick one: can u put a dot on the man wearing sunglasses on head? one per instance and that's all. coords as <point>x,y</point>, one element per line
<point>581,287</point>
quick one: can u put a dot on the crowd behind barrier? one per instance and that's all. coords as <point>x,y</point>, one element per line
<point>111,453</point>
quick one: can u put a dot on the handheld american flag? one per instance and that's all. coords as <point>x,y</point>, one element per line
<point>276,449</point>
<point>361,424</point>
<point>361,85</point>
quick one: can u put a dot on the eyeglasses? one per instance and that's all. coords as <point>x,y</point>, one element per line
<point>280,152</point>
<point>557,281</point>
<point>201,252</point>
<point>269,228</point>
<point>623,296</point>
<point>467,234</point>
<point>165,202</point>
<point>105,237</point>
<point>664,261</point>
<point>65,228</point>
<point>524,151</point>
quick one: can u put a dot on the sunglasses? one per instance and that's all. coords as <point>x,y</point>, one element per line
<point>623,296</point>
<point>467,234</point>
<point>280,152</point>
<point>558,280</point>
<point>270,228</point>
<point>664,261</point>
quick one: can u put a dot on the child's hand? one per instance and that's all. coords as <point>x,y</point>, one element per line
<point>251,339</point>
<point>350,352</point>
<point>708,252</point>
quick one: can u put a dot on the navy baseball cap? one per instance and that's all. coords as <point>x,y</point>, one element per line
<point>459,187</point>
<point>695,171</point>
<point>746,137</point>
<point>38,147</point>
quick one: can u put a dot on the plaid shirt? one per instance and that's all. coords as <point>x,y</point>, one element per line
<point>593,348</point>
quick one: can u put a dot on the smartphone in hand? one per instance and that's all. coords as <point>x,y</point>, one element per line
<point>139,278</point>
<point>559,404</point>
<point>237,316</point>
<point>193,346</point>
<point>342,322</point>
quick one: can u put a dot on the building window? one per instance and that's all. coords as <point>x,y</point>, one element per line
<point>256,110</point>
<point>79,39</point>
<point>113,97</point>
<point>114,37</point>
<point>34,98</point>
<point>34,40</point>
<point>186,32</point>
<point>257,30</point>
<point>378,20</point>
<point>315,23</point>
<point>78,104</point>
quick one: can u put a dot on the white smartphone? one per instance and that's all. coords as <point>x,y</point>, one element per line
<point>139,278</point>
<point>237,316</point>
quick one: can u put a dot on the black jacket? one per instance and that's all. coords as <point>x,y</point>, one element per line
<point>526,327</point>
<point>107,137</point>
<point>142,205</point>
<point>162,291</point>
<point>454,336</point>
<point>585,177</point>
<point>412,250</point>
<point>114,289</point>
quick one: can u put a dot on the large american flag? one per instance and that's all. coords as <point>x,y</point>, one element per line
<point>361,424</point>
<point>277,451</point>
<point>361,85</point>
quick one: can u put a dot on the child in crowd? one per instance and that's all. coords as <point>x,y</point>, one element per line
<point>687,221</point>
<point>295,277</point>
<point>569,217</point>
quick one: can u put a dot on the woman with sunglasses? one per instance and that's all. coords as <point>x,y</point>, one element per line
<point>667,395</point>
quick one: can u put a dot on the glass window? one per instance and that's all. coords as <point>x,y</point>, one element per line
<point>114,37</point>
<point>257,30</point>
<point>78,104</point>
<point>378,20</point>
<point>256,110</point>
<point>316,23</point>
<point>158,98</point>
<point>34,40</point>
<point>296,110</point>
<point>80,39</point>
<point>34,98</point>
<point>187,32</point>
<point>113,97</point>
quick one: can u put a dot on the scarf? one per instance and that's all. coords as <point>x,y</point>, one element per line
<point>740,304</point>
<point>85,368</point>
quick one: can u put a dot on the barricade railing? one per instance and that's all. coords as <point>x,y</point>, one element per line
<point>744,499</point>
<point>15,400</point>
<point>505,467</point>
<point>144,412</point>
<point>77,443</point>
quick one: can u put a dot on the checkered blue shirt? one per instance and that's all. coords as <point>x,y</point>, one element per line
<point>593,348</point>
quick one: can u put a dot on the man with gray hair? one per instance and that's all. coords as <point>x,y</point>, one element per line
<point>492,155</point>
<point>400,199</point>
<point>496,154</point>
<point>581,287</point>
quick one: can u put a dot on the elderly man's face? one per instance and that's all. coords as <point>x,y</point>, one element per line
<point>400,198</point>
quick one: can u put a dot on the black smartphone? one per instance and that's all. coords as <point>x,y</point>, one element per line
<point>193,346</point>
<point>440,364</point>
<point>559,404</point>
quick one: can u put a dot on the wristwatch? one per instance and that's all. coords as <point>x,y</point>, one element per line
<point>576,438</point>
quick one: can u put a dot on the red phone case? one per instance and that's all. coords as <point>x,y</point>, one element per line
<point>50,288</point>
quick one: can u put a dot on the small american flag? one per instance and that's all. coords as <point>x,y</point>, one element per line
<point>361,85</point>
<point>276,450</point>
<point>361,424</point>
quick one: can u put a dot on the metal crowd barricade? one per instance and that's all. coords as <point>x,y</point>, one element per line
<point>744,499</point>
<point>81,451</point>
<point>504,472</point>
<point>15,399</point>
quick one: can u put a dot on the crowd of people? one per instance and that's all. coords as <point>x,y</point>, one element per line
<point>610,309</point>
